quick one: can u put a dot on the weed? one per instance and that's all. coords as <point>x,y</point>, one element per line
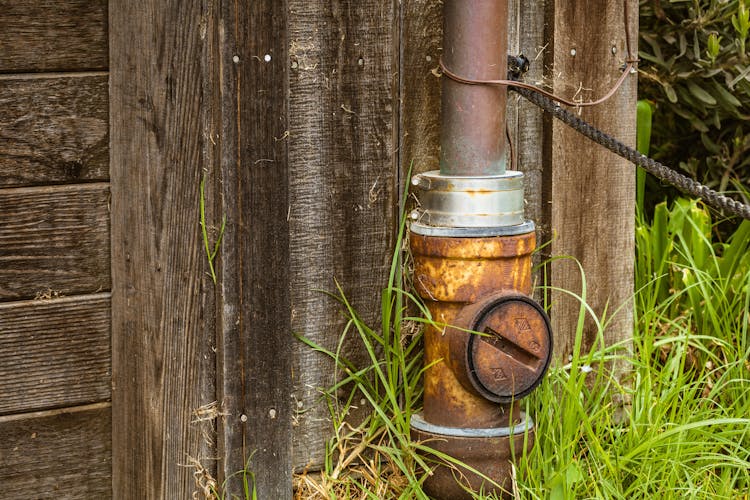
<point>247,476</point>
<point>376,459</point>
<point>687,431</point>
<point>210,255</point>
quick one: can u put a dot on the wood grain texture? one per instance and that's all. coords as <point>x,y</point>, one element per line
<point>420,85</point>
<point>54,353</point>
<point>255,347</point>
<point>343,127</point>
<point>256,282</point>
<point>54,129</point>
<point>57,454</point>
<point>54,240</point>
<point>593,190</point>
<point>162,331</point>
<point>527,124</point>
<point>53,35</point>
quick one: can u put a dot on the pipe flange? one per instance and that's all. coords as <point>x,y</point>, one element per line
<point>469,232</point>
<point>418,422</point>
<point>484,455</point>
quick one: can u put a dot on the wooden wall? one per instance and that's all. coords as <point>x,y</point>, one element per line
<point>289,113</point>
<point>55,363</point>
<point>302,119</point>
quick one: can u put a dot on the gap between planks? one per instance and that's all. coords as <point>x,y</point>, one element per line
<point>56,300</point>
<point>53,413</point>
<point>56,188</point>
<point>57,74</point>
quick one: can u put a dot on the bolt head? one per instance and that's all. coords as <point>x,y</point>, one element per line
<point>421,182</point>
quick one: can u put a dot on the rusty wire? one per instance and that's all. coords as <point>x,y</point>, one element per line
<point>630,67</point>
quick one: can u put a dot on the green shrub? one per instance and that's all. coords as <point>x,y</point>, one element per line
<point>695,69</point>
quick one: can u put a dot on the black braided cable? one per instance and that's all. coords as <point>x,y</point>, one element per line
<point>659,170</point>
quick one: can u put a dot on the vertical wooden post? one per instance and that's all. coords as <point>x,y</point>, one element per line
<point>342,213</point>
<point>199,92</point>
<point>163,366</point>
<point>593,190</point>
<point>255,341</point>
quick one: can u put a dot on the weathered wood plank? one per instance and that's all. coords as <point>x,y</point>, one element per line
<point>53,35</point>
<point>421,46</point>
<point>54,240</point>
<point>343,170</point>
<point>256,339</point>
<point>592,189</point>
<point>163,364</point>
<point>54,129</point>
<point>54,353</point>
<point>57,454</point>
<point>526,122</point>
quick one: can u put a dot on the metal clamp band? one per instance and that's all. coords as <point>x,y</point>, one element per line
<point>469,201</point>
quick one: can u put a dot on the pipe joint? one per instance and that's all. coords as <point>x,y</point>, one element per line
<point>470,202</point>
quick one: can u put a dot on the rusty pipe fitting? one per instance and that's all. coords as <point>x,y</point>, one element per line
<point>449,274</point>
<point>475,45</point>
<point>490,453</point>
<point>490,344</point>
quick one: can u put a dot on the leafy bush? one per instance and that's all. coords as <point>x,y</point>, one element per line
<point>695,69</point>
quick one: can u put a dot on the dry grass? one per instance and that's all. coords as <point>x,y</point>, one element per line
<point>359,471</point>
<point>377,478</point>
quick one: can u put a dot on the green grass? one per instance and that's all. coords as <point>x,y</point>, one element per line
<point>245,476</point>
<point>678,426</point>
<point>376,459</point>
<point>685,430</point>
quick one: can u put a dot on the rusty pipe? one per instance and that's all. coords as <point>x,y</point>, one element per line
<point>449,274</point>
<point>475,45</point>
<point>488,344</point>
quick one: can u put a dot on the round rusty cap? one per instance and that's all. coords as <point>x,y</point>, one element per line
<point>508,354</point>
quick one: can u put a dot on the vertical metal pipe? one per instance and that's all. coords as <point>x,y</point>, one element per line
<point>475,45</point>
